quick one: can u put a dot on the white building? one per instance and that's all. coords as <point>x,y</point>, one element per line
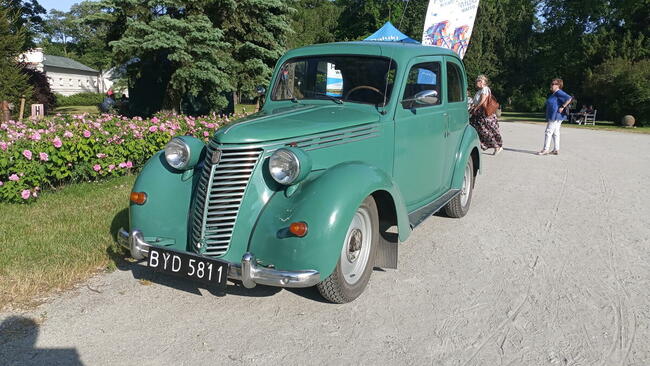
<point>66,76</point>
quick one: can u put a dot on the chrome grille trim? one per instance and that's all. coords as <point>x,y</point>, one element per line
<point>220,192</point>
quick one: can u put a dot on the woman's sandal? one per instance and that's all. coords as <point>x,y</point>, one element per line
<point>543,152</point>
<point>497,150</point>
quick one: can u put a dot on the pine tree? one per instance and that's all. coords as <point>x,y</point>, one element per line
<point>13,83</point>
<point>174,49</point>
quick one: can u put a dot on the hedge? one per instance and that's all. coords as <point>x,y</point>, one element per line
<point>41,154</point>
<point>79,99</point>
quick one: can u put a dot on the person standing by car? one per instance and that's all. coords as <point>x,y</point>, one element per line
<point>486,126</point>
<point>555,113</point>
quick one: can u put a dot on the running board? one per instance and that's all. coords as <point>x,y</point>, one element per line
<point>416,217</point>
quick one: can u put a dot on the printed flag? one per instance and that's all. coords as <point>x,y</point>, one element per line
<point>449,24</point>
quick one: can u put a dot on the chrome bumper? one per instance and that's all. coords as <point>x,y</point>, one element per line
<point>248,272</point>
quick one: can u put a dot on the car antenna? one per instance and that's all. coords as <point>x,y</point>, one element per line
<point>390,59</point>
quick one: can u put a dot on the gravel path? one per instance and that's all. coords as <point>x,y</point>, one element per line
<point>550,267</point>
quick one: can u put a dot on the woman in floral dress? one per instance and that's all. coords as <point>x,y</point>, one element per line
<point>487,127</point>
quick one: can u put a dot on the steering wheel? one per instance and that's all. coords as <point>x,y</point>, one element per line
<point>363,87</point>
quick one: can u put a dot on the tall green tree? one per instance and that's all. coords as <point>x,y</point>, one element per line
<point>361,18</point>
<point>258,32</point>
<point>28,20</point>
<point>315,21</point>
<point>13,83</point>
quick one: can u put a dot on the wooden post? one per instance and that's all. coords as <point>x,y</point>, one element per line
<point>22,108</point>
<point>6,116</point>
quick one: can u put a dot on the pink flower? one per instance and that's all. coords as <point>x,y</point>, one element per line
<point>27,154</point>
<point>111,167</point>
<point>43,156</point>
<point>57,142</point>
<point>122,165</point>
<point>34,194</point>
<point>3,145</point>
<point>129,164</point>
<point>101,155</point>
<point>86,133</point>
<point>25,194</point>
<point>97,167</point>
<point>14,178</point>
<point>153,128</point>
<point>206,133</point>
<point>155,120</point>
<point>67,134</point>
<point>1,184</point>
<point>210,125</point>
<point>36,136</point>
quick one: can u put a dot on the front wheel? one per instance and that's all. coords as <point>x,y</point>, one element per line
<point>354,267</point>
<point>459,205</point>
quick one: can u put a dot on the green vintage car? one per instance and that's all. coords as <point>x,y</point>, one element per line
<point>356,144</point>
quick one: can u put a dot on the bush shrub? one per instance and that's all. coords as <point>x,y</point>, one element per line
<point>620,87</point>
<point>79,99</point>
<point>37,154</point>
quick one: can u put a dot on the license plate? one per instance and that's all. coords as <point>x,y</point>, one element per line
<point>194,267</point>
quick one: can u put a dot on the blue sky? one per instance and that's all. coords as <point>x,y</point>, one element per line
<point>63,5</point>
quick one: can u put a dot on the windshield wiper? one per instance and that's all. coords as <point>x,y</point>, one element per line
<point>334,99</point>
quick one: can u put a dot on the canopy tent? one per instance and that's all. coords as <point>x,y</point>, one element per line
<point>388,33</point>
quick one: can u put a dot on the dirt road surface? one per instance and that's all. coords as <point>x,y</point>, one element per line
<point>550,267</point>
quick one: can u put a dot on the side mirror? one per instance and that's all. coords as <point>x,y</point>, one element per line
<point>261,90</point>
<point>426,97</point>
<point>423,98</point>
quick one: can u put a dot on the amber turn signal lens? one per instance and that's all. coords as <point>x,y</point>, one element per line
<point>298,229</point>
<point>138,198</point>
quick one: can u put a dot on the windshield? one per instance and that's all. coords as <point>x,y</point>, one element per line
<point>354,78</point>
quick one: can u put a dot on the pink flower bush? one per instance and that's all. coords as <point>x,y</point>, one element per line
<point>95,147</point>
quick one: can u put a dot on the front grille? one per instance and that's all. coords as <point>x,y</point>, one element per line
<point>219,195</point>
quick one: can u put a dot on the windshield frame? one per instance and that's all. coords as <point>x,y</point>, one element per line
<point>393,65</point>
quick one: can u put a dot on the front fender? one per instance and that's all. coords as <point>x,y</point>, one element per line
<point>326,202</point>
<point>469,146</point>
<point>163,217</point>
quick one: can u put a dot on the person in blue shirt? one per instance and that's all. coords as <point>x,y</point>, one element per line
<point>555,113</point>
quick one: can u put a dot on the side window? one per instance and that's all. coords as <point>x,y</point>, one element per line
<point>422,86</point>
<point>454,83</point>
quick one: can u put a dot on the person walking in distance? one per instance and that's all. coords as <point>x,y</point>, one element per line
<point>487,127</point>
<point>555,113</point>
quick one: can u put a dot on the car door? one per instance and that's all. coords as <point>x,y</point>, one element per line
<point>420,133</point>
<point>456,103</point>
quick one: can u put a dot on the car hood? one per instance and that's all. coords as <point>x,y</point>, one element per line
<point>295,121</point>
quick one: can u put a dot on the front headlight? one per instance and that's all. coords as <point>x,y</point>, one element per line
<point>284,166</point>
<point>177,153</point>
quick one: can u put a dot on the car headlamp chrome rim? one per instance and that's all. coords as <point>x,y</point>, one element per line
<point>177,153</point>
<point>284,166</point>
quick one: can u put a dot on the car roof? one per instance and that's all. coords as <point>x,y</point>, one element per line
<point>398,51</point>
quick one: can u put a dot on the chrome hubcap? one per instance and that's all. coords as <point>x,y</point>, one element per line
<point>467,180</point>
<point>356,248</point>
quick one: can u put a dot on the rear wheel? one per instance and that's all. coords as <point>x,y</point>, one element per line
<point>354,267</point>
<point>459,205</point>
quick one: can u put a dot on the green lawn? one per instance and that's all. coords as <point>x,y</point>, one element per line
<point>77,109</point>
<point>61,239</point>
<point>247,108</point>
<point>539,118</point>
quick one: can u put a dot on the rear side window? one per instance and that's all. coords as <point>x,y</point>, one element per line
<point>454,84</point>
<point>422,86</point>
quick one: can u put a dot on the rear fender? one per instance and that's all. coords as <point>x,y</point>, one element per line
<point>469,148</point>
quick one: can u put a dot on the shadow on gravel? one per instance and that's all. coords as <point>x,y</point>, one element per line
<point>17,345</point>
<point>520,151</point>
